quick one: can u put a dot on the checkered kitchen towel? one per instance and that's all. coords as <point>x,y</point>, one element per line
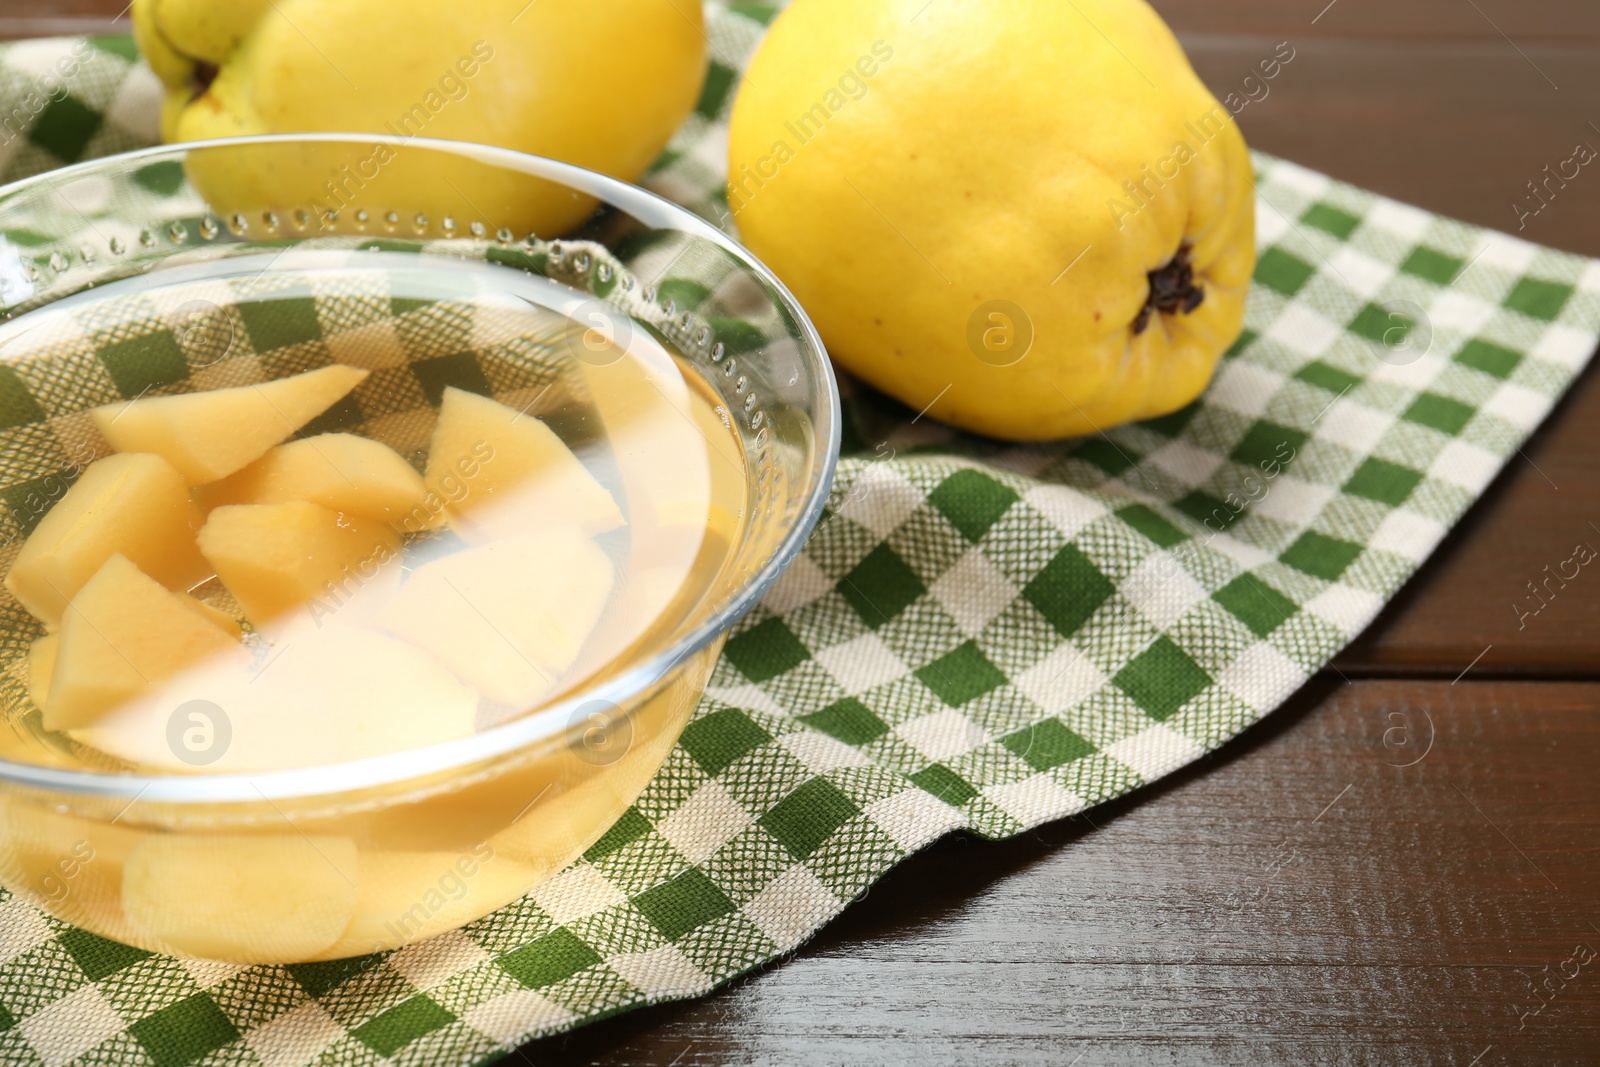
<point>979,636</point>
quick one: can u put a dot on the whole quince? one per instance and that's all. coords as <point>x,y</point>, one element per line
<point>599,83</point>
<point>1030,217</point>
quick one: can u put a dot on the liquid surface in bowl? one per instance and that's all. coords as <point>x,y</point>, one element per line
<point>574,493</point>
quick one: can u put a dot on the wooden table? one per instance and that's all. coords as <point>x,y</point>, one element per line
<point>1383,870</point>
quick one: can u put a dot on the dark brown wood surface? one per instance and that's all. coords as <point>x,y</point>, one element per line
<point>1394,868</point>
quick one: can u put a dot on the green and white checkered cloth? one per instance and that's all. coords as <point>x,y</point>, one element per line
<point>979,636</point>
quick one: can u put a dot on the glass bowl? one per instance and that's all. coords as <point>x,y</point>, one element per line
<point>334,858</point>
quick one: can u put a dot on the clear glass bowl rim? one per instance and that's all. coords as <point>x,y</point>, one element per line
<point>326,780</point>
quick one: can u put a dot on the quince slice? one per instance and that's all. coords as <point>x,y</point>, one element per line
<point>327,693</point>
<point>503,473</point>
<point>278,558</point>
<point>71,863</point>
<point>136,505</point>
<point>122,634</point>
<point>405,897</point>
<point>339,471</point>
<point>243,898</point>
<point>210,435</point>
<point>508,617</point>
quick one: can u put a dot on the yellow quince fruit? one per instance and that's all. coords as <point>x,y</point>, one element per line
<point>600,83</point>
<point>1031,215</point>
